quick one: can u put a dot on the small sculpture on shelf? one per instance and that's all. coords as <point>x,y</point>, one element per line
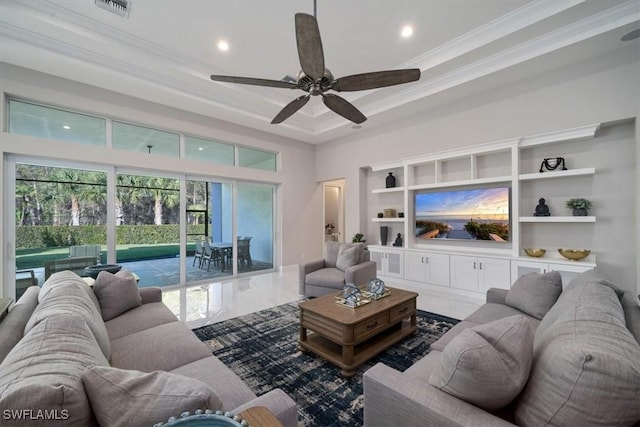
<point>542,209</point>
<point>552,163</point>
<point>398,242</point>
<point>390,181</point>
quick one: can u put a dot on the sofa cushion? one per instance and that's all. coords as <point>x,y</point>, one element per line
<point>442,342</point>
<point>595,275</point>
<point>586,367</point>
<point>44,371</point>
<point>229,388</point>
<point>138,319</point>
<point>161,348</point>
<point>487,365</point>
<point>330,277</point>
<point>122,398</point>
<point>71,295</point>
<point>631,314</point>
<point>116,293</point>
<point>331,250</point>
<point>491,311</point>
<point>535,293</point>
<point>347,257</point>
<point>12,326</point>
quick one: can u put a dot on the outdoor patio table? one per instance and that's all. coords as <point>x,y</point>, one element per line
<point>226,251</point>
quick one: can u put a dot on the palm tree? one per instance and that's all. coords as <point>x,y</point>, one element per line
<point>164,191</point>
<point>130,190</point>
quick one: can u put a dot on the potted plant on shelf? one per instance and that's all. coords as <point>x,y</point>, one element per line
<point>580,206</point>
<point>358,237</point>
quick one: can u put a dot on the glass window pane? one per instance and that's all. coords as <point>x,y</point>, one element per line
<point>256,159</point>
<point>255,227</point>
<point>60,214</point>
<point>208,151</point>
<point>146,140</point>
<point>148,228</point>
<point>45,122</point>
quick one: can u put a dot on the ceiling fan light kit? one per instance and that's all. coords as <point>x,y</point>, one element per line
<point>316,80</point>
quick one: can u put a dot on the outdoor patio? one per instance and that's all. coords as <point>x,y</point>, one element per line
<point>166,271</point>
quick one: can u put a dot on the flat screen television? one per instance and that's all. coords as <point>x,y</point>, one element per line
<point>467,214</point>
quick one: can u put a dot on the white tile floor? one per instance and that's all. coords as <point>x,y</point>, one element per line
<point>205,304</point>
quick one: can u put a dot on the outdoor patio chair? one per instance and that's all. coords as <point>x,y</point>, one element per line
<point>210,254</point>
<point>94,251</point>
<point>244,252</point>
<point>198,255</point>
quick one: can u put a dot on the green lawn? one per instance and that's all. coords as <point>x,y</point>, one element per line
<point>31,258</point>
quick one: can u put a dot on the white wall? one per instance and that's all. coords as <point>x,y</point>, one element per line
<point>299,200</point>
<point>593,92</point>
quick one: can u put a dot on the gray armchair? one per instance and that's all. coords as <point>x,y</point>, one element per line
<point>343,263</point>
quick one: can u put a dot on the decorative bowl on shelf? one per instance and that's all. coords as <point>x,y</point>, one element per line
<point>93,270</point>
<point>534,252</point>
<point>574,254</point>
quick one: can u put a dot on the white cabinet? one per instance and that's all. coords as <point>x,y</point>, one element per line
<point>567,271</point>
<point>427,267</point>
<point>388,261</point>
<point>478,274</point>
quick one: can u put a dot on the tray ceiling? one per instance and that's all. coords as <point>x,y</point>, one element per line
<point>164,51</point>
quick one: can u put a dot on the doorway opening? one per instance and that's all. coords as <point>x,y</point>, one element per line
<point>333,198</point>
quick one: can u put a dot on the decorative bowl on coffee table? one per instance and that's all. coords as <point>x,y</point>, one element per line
<point>93,270</point>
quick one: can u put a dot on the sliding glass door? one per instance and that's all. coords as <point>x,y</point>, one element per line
<point>209,213</point>
<point>60,221</point>
<point>168,230</point>
<point>255,213</point>
<point>148,228</point>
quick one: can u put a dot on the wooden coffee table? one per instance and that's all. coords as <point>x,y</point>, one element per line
<point>348,337</point>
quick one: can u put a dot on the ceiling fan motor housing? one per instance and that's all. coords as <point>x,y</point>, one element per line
<point>306,83</point>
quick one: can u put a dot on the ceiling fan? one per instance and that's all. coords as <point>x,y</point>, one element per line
<point>315,79</point>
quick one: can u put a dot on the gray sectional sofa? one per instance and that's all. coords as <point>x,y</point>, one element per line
<point>531,356</point>
<point>58,356</point>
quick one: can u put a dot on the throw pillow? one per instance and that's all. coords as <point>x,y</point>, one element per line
<point>116,293</point>
<point>487,365</point>
<point>534,293</point>
<point>347,257</point>
<point>120,397</point>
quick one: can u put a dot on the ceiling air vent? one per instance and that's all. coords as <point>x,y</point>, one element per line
<point>119,7</point>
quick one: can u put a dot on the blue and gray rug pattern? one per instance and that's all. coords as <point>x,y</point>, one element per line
<point>262,348</point>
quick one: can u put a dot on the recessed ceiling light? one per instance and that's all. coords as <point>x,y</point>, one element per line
<point>67,127</point>
<point>200,148</point>
<point>223,45</point>
<point>407,31</point>
<point>631,35</point>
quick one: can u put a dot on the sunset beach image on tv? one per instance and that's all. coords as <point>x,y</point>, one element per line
<point>476,214</point>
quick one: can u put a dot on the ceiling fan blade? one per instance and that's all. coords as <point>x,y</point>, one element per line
<point>255,82</point>
<point>309,46</point>
<point>376,79</point>
<point>290,108</point>
<point>343,107</point>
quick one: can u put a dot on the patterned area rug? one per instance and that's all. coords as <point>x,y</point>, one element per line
<point>262,348</point>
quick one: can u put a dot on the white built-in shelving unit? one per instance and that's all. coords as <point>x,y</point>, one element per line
<point>474,267</point>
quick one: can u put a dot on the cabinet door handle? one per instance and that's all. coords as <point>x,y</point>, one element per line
<point>474,265</point>
<point>422,260</point>
<point>372,325</point>
<point>427,258</point>
<point>480,266</point>
<point>404,310</point>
